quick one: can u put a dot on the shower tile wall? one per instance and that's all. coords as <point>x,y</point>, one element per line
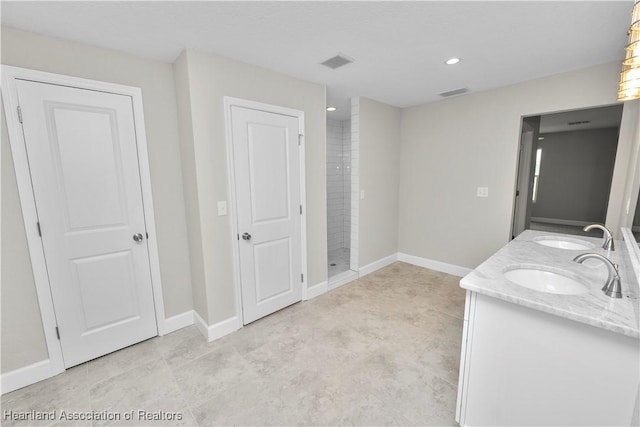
<point>354,249</point>
<point>338,184</point>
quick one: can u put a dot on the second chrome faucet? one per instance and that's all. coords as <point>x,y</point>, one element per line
<point>608,238</point>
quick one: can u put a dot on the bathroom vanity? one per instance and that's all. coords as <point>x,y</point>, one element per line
<point>542,344</point>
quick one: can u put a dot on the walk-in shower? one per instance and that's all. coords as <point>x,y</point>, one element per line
<point>338,195</point>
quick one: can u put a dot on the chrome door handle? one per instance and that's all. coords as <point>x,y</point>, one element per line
<point>246,236</point>
<point>138,237</point>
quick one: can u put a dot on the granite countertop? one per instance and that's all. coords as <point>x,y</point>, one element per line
<point>593,308</point>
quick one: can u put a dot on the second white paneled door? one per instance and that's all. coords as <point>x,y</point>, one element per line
<point>266,166</point>
<point>82,154</point>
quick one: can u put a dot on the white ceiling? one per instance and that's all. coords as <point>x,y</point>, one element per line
<point>590,118</point>
<point>399,47</point>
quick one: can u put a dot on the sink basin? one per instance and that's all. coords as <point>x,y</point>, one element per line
<point>564,243</point>
<point>544,279</point>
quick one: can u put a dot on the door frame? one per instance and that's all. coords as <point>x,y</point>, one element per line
<point>230,102</point>
<point>10,75</point>
<point>522,199</point>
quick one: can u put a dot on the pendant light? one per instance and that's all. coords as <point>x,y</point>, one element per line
<point>629,88</point>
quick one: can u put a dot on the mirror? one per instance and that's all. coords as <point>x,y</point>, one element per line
<point>634,254</point>
<point>635,226</point>
<point>629,174</point>
<point>565,170</point>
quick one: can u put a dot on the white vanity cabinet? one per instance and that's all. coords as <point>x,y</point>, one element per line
<point>522,366</point>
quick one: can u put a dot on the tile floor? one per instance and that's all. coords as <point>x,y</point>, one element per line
<point>339,257</point>
<point>382,350</point>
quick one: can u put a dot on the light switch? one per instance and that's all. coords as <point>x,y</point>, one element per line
<point>222,208</point>
<point>483,192</point>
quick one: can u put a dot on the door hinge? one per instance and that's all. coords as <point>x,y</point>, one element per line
<point>147,233</point>
<point>238,236</point>
<point>300,209</point>
<point>39,229</point>
<point>19,114</point>
<point>58,333</point>
<point>299,138</point>
<point>517,193</point>
<point>302,278</point>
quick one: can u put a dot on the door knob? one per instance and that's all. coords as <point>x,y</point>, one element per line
<point>138,237</point>
<point>246,236</point>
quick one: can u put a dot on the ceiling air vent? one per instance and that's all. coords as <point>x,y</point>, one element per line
<point>581,122</point>
<point>454,92</point>
<point>337,61</point>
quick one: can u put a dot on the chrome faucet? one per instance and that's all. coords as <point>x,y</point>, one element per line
<point>608,238</point>
<point>612,288</point>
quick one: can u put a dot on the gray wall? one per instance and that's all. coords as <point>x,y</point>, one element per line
<point>190,185</point>
<point>379,132</point>
<point>23,341</point>
<point>451,147</point>
<point>202,81</point>
<point>22,337</point>
<point>575,175</point>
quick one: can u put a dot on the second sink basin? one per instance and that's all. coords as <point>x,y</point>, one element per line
<point>544,279</point>
<point>564,243</point>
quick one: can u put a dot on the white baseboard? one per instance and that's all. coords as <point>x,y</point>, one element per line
<point>42,370</point>
<point>377,265</point>
<point>178,321</point>
<point>342,279</point>
<point>202,326</point>
<point>316,290</point>
<point>443,267</point>
<point>217,330</point>
<point>23,377</point>
<point>561,221</point>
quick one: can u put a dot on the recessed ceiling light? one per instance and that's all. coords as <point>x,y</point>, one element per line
<point>331,109</point>
<point>452,61</point>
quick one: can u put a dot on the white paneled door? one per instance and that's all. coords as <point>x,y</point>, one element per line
<point>82,153</point>
<point>267,190</point>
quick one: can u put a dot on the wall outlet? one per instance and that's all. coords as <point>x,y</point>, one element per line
<point>222,208</point>
<point>483,192</point>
